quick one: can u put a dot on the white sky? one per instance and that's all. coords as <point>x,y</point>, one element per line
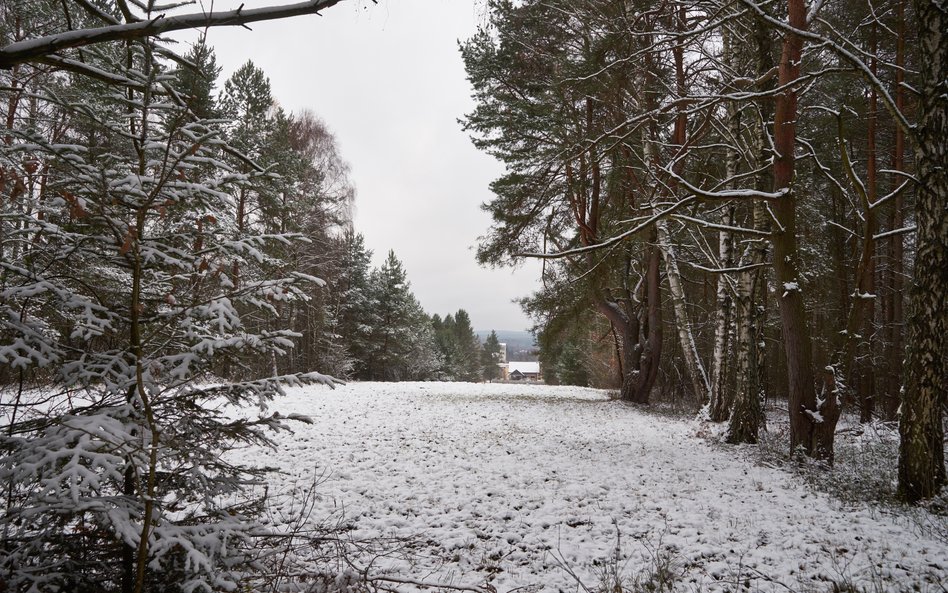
<point>389,81</point>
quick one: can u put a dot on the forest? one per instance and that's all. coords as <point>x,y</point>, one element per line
<point>738,204</point>
<point>768,191</point>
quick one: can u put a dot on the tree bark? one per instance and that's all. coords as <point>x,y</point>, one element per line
<point>867,383</point>
<point>921,452</point>
<point>860,317</point>
<point>812,426</point>
<point>747,417</point>
<point>690,356</point>
<point>652,352</point>
<point>894,309</point>
<point>640,344</point>
<point>692,359</point>
<point>719,403</point>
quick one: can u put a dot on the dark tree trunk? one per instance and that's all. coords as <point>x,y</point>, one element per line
<point>867,383</point>
<point>652,351</point>
<point>811,427</point>
<point>640,332</point>
<point>894,315</point>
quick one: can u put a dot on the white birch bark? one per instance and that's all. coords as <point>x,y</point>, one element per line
<point>719,404</point>
<point>696,370</point>
<point>747,416</point>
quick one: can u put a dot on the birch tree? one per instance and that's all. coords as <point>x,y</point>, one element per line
<point>922,453</point>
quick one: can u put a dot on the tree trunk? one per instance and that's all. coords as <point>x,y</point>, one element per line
<point>639,356</point>
<point>867,383</point>
<point>921,451</point>
<point>652,350</point>
<point>693,365</point>
<point>812,426</point>
<point>861,311</point>
<point>747,416</point>
<point>719,404</point>
<point>894,329</point>
<point>692,360</point>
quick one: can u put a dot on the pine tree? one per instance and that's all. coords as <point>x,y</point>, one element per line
<point>123,298</point>
<point>490,357</point>
<point>469,362</point>
<point>449,350</point>
<point>196,79</point>
<point>353,313</point>
<point>401,340</point>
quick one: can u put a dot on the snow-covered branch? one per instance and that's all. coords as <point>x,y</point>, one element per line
<point>47,45</point>
<point>614,240</point>
<point>846,55</point>
<point>721,227</point>
<point>902,231</point>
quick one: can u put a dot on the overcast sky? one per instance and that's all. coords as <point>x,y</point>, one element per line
<point>389,81</point>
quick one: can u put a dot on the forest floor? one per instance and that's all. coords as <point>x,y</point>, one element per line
<point>538,488</point>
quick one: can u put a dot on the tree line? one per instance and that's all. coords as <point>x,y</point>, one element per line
<point>734,200</point>
<point>386,334</point>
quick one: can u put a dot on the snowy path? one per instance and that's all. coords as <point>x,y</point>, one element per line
<point>507,484</point>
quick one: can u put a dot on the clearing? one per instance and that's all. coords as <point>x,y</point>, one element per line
<point>518,486</point>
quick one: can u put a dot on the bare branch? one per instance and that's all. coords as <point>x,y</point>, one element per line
<point>847,56</point>
<point>614,240</point>
<point>727,270</point>
<point>722,227</point>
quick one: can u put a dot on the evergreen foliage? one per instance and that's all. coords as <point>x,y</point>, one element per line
<point>667,159</point>
<point>491,357</point>
<point>120,293</point>
<point>401,340</point>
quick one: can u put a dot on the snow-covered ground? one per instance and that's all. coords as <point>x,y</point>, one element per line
<point>517,486</point>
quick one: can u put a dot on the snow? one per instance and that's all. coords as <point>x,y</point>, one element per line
<point>507,485</point>
<point>524,367</point>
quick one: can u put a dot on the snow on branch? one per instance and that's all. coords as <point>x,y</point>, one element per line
<point>38,47</point>
<point>895,192</point>
<point>901,231</point>
<point>721,227</point>
<point>728,194</point>
<point>731,270</point>
<point>614,240</point>
<point>845,54</point>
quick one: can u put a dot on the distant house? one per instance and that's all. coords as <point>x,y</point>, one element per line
<point>523,371</point>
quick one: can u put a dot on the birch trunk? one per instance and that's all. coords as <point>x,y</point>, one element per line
<point>693,365</point>
<point>747,417</point>
<point>719,403</point>
<point>921,452</point>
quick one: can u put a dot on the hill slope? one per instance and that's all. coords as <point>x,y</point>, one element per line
<point>516,485</point>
